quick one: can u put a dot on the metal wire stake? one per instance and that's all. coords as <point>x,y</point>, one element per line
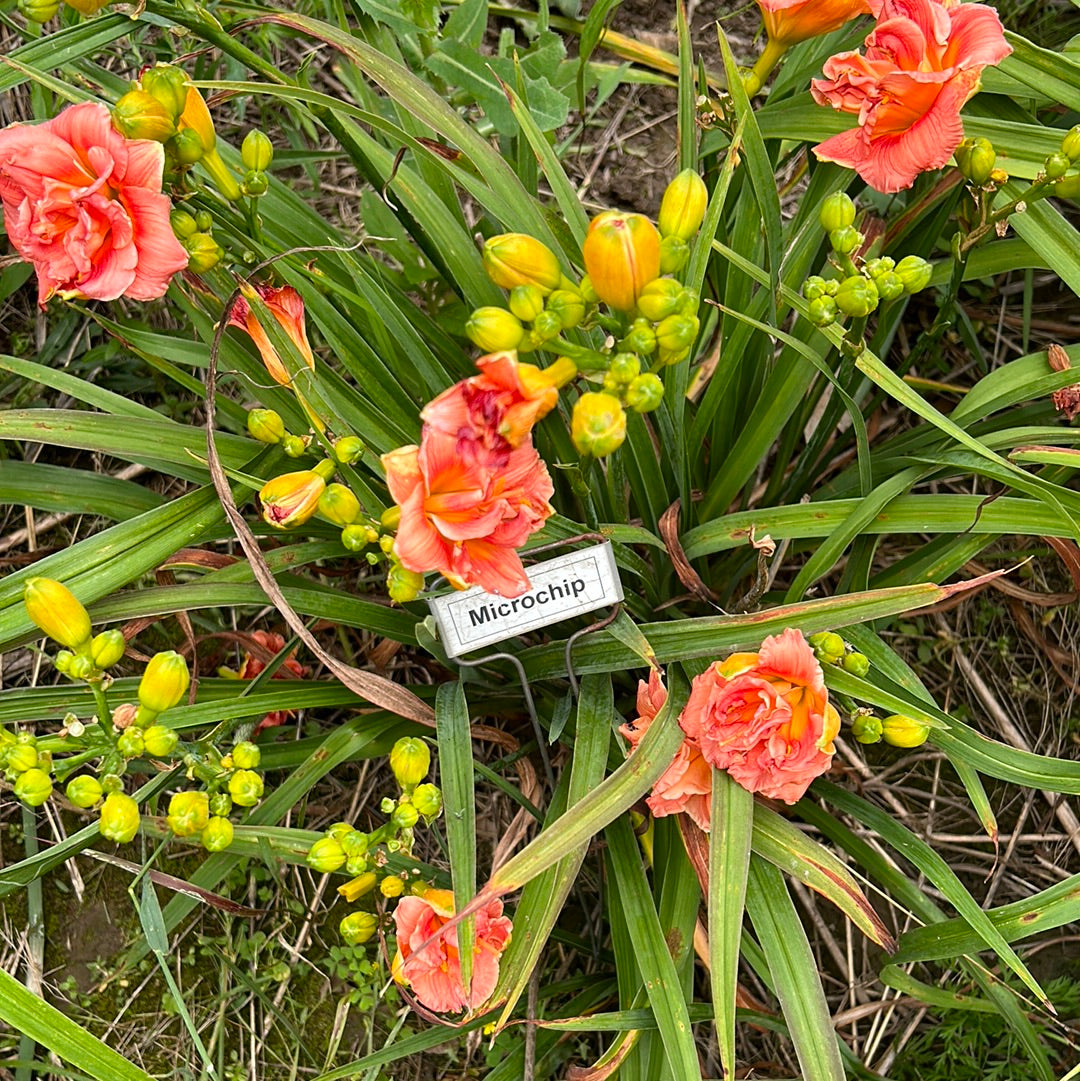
<point>573,640</point>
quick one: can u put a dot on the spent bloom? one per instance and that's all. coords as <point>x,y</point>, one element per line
<point>85,206</point>
<point>765,717</point>
<point>434,971</point>
<point>922,63</point>
<point>686,785</point>
<point>286,306</point>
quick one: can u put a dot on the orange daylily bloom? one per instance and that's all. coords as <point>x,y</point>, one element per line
<point>788,22</point>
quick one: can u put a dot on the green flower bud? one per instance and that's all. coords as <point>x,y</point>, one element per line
<point>857,296</point>
<point>813,287</point>
<point>139,115</point>
<point>845,241</point>
<point>410,760</point>
<point>325,855</point>
<point>340,830</point>
<point>402,584</point>
<point>164,682</point>
<point>1070,145</point>
<point>513,259</point>
<point>355,537</point>
<point>183,224</point>
<point>169,86</point>
<point>52,607</point>
<point>494,330</point>
<point>107,648</point>
<point>119,818</point>
<point>391,886</point>
<point>837,212</point>
<point>427,799</point>
<point>81,667</point>
<point>189,813</point>
<point>354,844</point>
<point>890,286</point>
<point>828,646</point>
<point>339,505</point>
<point>645,393</point>
<point>682,208</point>
<point>204,252</point>
<point>866,728</point>
<point>130,742</point>
<point>975,158</point>
<point>569,306</point>
<point>588,293</point>
<point>822,311</point>
<point>159,741</point>
<point>677,332</point>
<point>915,272</point>
<point>186,147</point>
<point>21,757</point>
<point>880,266</point>
<point>624,367</point>
<point>546,326</point>
<point>1056,166</point>
<point>526,302</point>
<point>856,663</point>
<point>294,446</point>
<point>256,151</point>
<point>358,927</point>
<point>246,788</point>
<point>38,11</point>
<point>405,816</point>
<point>254,183</point>
<point>266,426</point>
<point>84,791</point>
<point>33,787</point>
<point>349,449</point>
<point>112,782</point>
<point>357,865</point>
<point>598,424</point>
<point>246,755</point>
<point>901,731</point>
<point>62,661</point>
<point>220,804</point>
<point>217,835</point>
<point>641,339</point>
<point>204,220</point>
<point>674,253</point>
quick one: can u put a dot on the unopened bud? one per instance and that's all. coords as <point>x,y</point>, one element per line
<point>339,505</point>
<point>598,425</point>
<point>546,325</point>
<point>183,224</point>
<point>358,927</point>
<point>901,731</point>
<point>641,339</point>
<point>622,255</point>
<point>53,608</point>
<point>828,646</point>
<point>159,741</point>
<point>38,11</point>
<point>33,787</point>
<point>857,296</point>
<point>245,787</point>
<point>427,799</point>
<point>1070,145</point>
<point>645,393</point>
<point>837,212</point>
<point>169,85</point>
<point>866,728</point>
<point>107,648</point>
<point>204,252</point>
<point>349,449</point>
<point>890,286</point>
<point>915,272</point>
<point>569,306</point>
<point>845,241</point>
<point>357,537</point>
<point>325,855</point>
<point>391,886</point>
<point>659,299</point>
<point>189,813</point>
<point>139,115</point>
<point>119,818</point>
<point>822,312</point>
<point>856,663</point>
<point>1056,166</point>
<point>266,426</point>
<point>494,329</point>
<point>682,209</point>
<point>292,498</point>
<point>975,158</point>
<point>164,682</point>
<point>512,259</point>
<point>130,742</point>
<point>674,253</point>
<point>256,151</point>
<point>217,834</point>
<point>405,816</point>
<point>246,755</point>
<point>402,584</point>
<point>294,446</point>
<point>677,332</point>
<point>254,183</point>
<point>410,760</point>
<point>20,757</point>
<point>526,302</point>
<point>84,791</point>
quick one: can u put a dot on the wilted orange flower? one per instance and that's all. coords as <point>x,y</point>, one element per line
<point>765,717</point>
<point>434,971</point>
<point>287,307</point>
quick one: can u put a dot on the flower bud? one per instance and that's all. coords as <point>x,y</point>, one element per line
<point>112,782</point>
<point>569,306</point>
<point>390,518</point>
<point>427,799</point>
<point>402,584</point>
<point>857,296</point>
<point>325,855</point>
<point>822,311</point>
<point>339,505</point>
<point>845,241</point>
<point>641,339</point>
<point>622,255</point>
<point>357,537</point>
<point>164,682</point>
<point>21,757</point>
<point>677,332</point>
<point>84,791</point>
<point>494,329</point>
<point>357,865</point>
<point>159,741</point>
<point>38,11</point>
<point>62,661</point>
<point>358,886</point>
<point>975,158</point>
<point>682,209</point>
<point>659,299</point>
<point>139,115</point>
<point>410,760</point>
<point>266,426</point>
<point>33,787</point>
<point>526,302</point>
<point>901,731</point>
<point>866,728</point>
<point>81,667</point>
<point>856,663</point>
<point>405,816</point>
<point>837,212</point>
<point>292,498</point>
<point>220,804</point>
<point>512,259</point>
<point>186,147</point>
<point>204,252</point>
<point>354,843</point>
<point>53,608</point>
<point>889,285</point>
<point>349,449</point>
<point>813,287</point>
<point>1070,145</point>
<point>119,818</point>
<point>169,85</point>
<point>828,646</point>
<point>254,183</point>
<point>645,393</point>
<point>217,835</point>
<point>915,272</point>
<point>624,368</point>
<point>107,648</point>
<point>245,787</point>
<point>391,886</point>
<point>1056,166</point>
<point>546,326</point>
<point>294,446</point>
<point>130,742</point>
<point>256,151</point>
<point>183,224</point>
<point>189,813</point>
<point>246,755</point>
<point>598,425</point>
<point>674,254</point>
<point>358,927</point>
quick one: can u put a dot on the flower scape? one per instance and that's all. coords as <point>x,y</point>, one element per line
<point>335,290</point>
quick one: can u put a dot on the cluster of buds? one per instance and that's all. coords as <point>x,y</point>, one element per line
<point>26,768</point>
<point>166,107</point>
<point>54,609</point>
<point>364,855</point>
<point>858,285</point>
<point>1058,164</point>
<point>830,648</point>
<point>195,233</point>
<point>977,161</point>
<point>897,730</point>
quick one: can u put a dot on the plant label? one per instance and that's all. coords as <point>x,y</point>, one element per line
<point>570,585</point>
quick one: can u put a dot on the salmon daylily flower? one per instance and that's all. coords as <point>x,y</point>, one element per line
<point>287,307</point>
<point>922,63</point>
<point>433,971</point>
<point>765,717</point>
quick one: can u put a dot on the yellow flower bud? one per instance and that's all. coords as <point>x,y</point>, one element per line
<point>256,151</point>
<point>358,927</point>
<point>169,85</point>
<point>325,855</point>
<point>526,302</point>
<point>204,252</point>
<point>568,306</point>
<point>339,505</point>
<point>33,787</point>
<point>246,755</point>
<point>189,813</point>
<point>494,329</point>
<point>38,11</point>
<point>405,816</point>
<point>139,115</point>
<point>659,299</point>
<point>682,209</point>
<point>402,584</point>
<point>427,799</point>
<point>218,834</point>
<point>245,787</point>
<point>903,731</point>
<point>292,498</point>
<point>164,682</point>
<point>349,449</point>
<point>21,757</point>
<point>410,760</point>
<point>512,259</point>
<point>598,426</point>
<point>159,741</point>
<point>119,818</point>
<point>391,886</point>
<point>107,648</point>
<point>84,791</point>
<point>676,332</point>
<point>87,7</point>
<point>357,887</point>
<point>265,425</point>
<point>622,255</point>
<point>53,608</point>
